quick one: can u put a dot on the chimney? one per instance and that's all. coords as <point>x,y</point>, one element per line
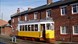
<point>29,8</point>
<point>49,2</point>
<point>18,10</point>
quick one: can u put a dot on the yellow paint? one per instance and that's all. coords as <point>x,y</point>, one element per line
<point>50,34</point>
<point>29,34</point>
<point>36,34</point>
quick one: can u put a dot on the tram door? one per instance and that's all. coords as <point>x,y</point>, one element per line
<point>43,31</point>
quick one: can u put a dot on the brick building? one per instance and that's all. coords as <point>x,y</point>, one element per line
<point>5,28</point>
<point>64,14</point>
<point>2,23</point>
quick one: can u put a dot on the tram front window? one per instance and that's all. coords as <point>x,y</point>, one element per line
<point>48,26</point>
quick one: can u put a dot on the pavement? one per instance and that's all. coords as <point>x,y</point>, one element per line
<point>2,43</point>
<point>7,40</point>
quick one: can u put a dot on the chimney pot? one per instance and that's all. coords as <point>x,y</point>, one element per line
<point>49,2</point>
<point>18,10</point>
<point>29,8</point>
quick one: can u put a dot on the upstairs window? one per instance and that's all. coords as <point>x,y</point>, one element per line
<point>48,13</point>
<point>63,10</point>
<point>13,20</point>
<point>63,29</point>
<point>75,8</point>
<point>35,15</point>
<point>25,17</point>
<point>75,29</point>
<point>18,18</point>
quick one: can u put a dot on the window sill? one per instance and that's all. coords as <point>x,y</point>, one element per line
<point>75,33</point>
<point>75,13</point>
<point>63,14</point>
<point>63,33</point>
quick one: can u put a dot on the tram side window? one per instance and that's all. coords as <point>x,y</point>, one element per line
<point>28,27</point>
<point>32,27</point>
<point>20,28</point>
<point>36,27</point>
<point>25,27</point>
<point>48,26</point>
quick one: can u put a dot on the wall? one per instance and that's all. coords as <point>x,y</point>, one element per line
<point>6,31</point>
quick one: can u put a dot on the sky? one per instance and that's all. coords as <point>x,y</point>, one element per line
<point>9,7</point>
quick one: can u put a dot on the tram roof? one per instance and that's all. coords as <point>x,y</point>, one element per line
<point>36,21</point>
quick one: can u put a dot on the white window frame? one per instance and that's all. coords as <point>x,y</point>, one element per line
<point>35,15</point>
<point>13,20</point>
<point>25,17</point>
<point>63,9</point>
<point>18,18</point>
<point>61,30</point>
<point>47,13</point>
<point>74,30</point>
<point>76,7</point>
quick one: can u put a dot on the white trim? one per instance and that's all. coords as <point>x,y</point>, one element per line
<point>38,27</point>
<point>25,17</point>
<point>35,15</point>
<point>76,7</point>
<point>18,18</point>
<point>13,20</point>
<point>73,31</point>
<point>18,28</point>
<point>47,13</point>
<point>61,10</point>
<point>61,30</point>
<point>35,23</point>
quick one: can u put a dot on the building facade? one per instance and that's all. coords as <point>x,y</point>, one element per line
<point>64,14</point>
<point>6,30</point>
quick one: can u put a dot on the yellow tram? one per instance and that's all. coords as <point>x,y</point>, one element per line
<point>43,29</point>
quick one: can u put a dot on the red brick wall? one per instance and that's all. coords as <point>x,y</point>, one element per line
<point>68,20</point>
<point>30,16</point>
<point>6,31</point>
<point>2,31</point>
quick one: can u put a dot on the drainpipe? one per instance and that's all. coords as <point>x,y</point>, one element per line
<point>69,18</point>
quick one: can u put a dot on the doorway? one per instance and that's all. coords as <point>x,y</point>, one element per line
<point>43,31</point>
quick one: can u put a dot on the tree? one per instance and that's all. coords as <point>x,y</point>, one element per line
<point>9,22</point>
